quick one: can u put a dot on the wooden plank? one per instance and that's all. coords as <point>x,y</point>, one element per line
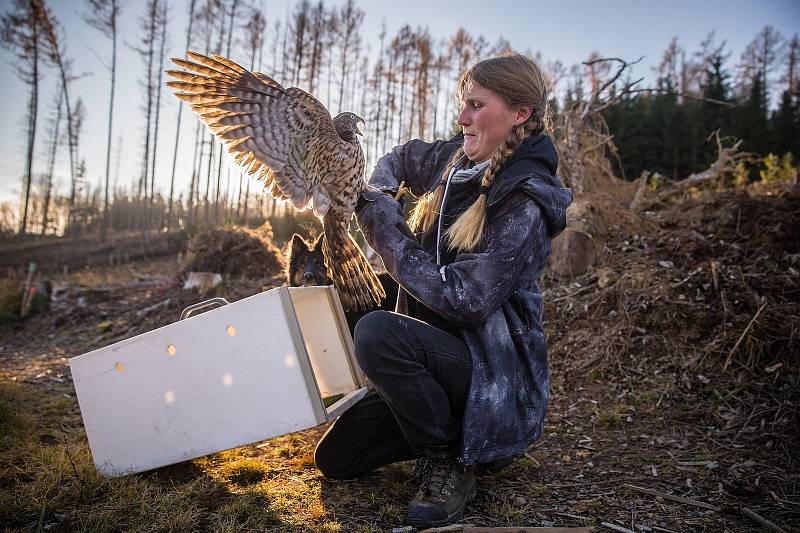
<point>457,528</point>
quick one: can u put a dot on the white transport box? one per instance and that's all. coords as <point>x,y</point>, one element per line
<point>235,375</point>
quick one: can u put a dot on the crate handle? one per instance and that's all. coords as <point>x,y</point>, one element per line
<point>187,312</point>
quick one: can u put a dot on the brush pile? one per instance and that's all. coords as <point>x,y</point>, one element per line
<point>694,318</point>
<point>235,252</point>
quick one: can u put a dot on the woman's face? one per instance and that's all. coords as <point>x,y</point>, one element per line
<point>486,121</point>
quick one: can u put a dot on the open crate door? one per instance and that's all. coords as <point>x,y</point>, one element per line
<point>242,373</point>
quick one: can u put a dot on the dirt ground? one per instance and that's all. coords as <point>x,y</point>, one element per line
<point>674,377</point>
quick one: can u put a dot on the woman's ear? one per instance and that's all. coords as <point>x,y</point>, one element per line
<point>523,114</point>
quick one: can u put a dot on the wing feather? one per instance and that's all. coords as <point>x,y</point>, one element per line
<point>274,132</point>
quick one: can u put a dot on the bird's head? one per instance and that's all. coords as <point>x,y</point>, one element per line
<point>347,125</point>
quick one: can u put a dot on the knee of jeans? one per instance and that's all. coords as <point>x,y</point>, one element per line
<point>369,339</point>
<point>329,464</point>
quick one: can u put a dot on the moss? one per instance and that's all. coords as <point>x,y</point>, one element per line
<point>609,419</point>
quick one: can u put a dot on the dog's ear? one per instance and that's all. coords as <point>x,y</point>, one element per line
<point>318,241</point>
<point>297,244</point>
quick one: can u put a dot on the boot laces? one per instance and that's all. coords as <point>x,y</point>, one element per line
<point>441,477</point>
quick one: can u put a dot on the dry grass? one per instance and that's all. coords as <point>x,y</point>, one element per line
<point>48,481</point>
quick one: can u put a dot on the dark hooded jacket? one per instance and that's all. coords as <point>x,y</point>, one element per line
<point>490,294</point>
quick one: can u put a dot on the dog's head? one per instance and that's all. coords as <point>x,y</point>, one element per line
<point>306,263</point>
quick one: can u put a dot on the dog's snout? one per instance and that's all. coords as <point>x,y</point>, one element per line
<point>308,276</point>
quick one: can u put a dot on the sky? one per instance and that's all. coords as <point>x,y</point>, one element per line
<point>565,30</point>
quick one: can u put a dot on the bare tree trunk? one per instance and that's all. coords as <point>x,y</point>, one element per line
<point>150,26</point>
<point>21,30</point>
<point>317,36</point>
<point>52,162</point>
<point>102,15</point>
<point>33,111</point>
<point>389,98</point>
<point>178,129</point>
<point>56,56</point>
<point>211,136</point>
<point>194,183</point>
<point>351,19</point>
<point>299,28</point>
<point>163,37</point>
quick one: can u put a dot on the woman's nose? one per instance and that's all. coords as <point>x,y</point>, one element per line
<point>463,119</point>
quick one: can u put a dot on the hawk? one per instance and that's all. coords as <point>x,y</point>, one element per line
<point>302,155</point>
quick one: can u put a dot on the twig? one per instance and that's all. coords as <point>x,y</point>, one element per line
<point>687,278</point>
<point>763,522</point>
<point>678,499</point>
<point>532,458</point>
<point>69,456</point>
<point>743,335</point>
<point>616,527</point>
<point>665,530</point>
<point>573,516</point>
<point>583,289</point>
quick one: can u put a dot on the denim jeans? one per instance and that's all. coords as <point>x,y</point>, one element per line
<point>421,375</point>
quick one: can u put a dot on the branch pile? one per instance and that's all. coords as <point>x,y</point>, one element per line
<point>235,252</point>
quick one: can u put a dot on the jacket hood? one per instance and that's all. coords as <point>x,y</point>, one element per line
<point>531,169</point>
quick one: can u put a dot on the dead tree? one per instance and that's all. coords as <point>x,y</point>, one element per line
<point>21,32</point>
<point>401,45</point>
<point>234,4</point>
<point>192,4</point>
<point>149,27</point>
<point>422,86</point>
<point>350,19</point>
<point>300,27</point>
<point>77,216</point>
<point>583,142</point>
<point>102,15</point>
<point>254,41</point>
<point>55,53</point>
<point>331,31</point>
<point>211,139</point>
<point>728,159</point>
<point>318,17</point>
<point>55,125</point>
<point>162,37</point>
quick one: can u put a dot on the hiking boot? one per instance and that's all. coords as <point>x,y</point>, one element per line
<point>446,487</point>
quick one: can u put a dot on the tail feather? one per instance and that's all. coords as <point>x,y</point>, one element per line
<point>358,286</point>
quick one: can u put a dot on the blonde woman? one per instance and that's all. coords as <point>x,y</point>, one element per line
<point>460,369</point>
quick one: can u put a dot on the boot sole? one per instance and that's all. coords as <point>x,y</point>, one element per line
<point>449,519</point>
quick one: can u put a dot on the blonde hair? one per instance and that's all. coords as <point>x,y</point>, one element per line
<point>519,82</point>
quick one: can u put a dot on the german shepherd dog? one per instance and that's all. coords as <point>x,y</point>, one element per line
<point>307,268</point>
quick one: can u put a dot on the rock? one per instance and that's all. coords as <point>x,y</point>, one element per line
<point>573,252</point>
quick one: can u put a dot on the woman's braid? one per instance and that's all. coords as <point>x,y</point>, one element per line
<point>467,230</point>
<point>427,208</point>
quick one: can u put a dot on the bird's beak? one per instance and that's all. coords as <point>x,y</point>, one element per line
<point>358,131</point>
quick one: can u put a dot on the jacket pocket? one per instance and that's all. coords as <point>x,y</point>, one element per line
<point>518,312</point>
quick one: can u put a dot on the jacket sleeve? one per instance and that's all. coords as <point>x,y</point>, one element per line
<point>468,290</point>
<point>413,162</point>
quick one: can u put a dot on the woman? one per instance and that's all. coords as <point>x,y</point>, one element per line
<point>460,369</point>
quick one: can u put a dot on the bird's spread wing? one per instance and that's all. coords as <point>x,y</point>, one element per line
<point>275,132</point>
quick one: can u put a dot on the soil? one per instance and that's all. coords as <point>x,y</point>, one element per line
<point>674,368</point>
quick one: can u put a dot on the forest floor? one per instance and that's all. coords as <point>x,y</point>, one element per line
<point>675,390</point>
